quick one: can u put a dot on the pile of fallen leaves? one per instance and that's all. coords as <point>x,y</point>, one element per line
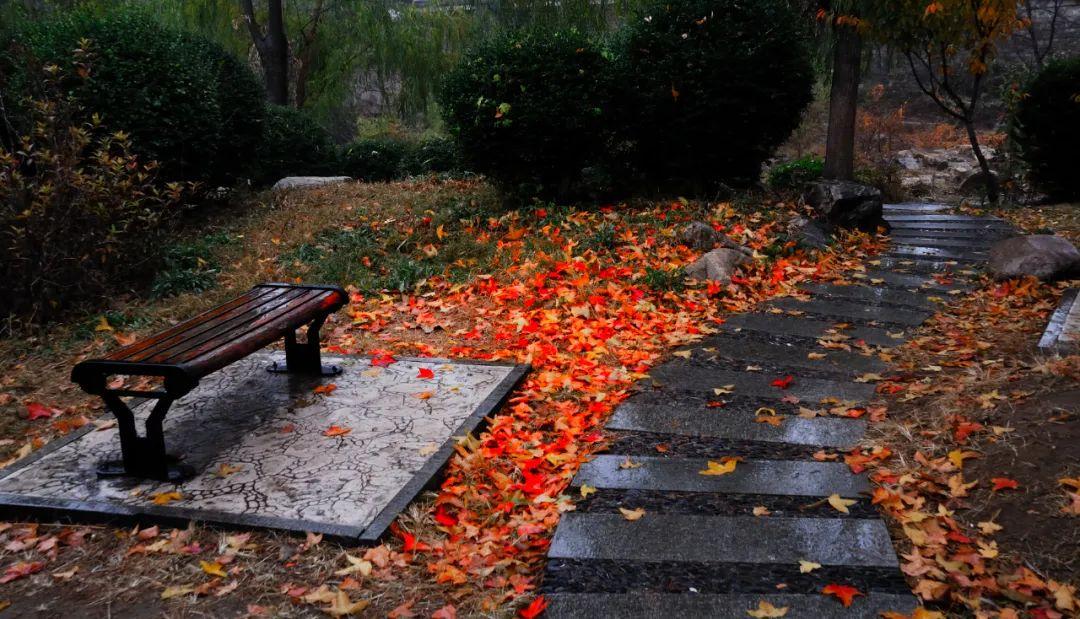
<point>952,389</point>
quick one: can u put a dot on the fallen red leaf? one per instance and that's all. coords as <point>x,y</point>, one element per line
<point>1004,483</point>
<point>843,592</point>
<point>37,410</point>
<point>782,383</point>
<point>336,431</point>
<point>21,570</point>
<point>534,608</point>
<point>382,359</point>
<point>425,373</point>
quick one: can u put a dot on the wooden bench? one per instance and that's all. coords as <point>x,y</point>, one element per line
<point>184,354</point>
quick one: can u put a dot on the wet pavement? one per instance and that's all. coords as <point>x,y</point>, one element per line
<point>699,549</point>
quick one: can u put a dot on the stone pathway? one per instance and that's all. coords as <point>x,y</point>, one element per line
<point>699,551</point>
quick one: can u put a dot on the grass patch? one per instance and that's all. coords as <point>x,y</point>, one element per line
<point>190,266</point>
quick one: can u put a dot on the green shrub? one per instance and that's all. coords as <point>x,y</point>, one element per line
<point>375,159</point>
<point>709,88</point>
<point>793,175</point>
<point>527,109</point>
<point>1045,129</point>
<point>182,99</point>
<point>294,145</point>
<point>436,155</point>
<point>80,215</point>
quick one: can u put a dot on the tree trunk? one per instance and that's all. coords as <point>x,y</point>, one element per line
<point>843,102</point>
<point>984,165</point>
<point>275,60</point>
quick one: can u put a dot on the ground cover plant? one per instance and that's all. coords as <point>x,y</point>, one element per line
<point>574,293</point>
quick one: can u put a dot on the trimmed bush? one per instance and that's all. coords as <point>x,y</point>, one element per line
<point>436,155</point>
<point>528,110</point>
<point>294,145</point>
<point>794,174</point>
<point>183,99</point>
<point>1046,129</point>
<point>709,89</point>
<point>375,159</point>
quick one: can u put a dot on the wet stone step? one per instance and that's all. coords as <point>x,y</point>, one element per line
<point>939,218</point>
<point>837,308</point>
<point>703,577</point>
<point>915,206</point>
<point>610,500</point>
<point>668,605</point>
<point>662,445</point>
<point>742,350</point>
<point>961,235</point>
<point>936,253</point>
<point>998,227</point>
<point>976,244</point>
<point>700,421</point>
<point>791,478</point>
<point>909,281</point>
<point>910,264</point>
<point>690,378</point>
<point>875,295</point>
<point>801,326</point>
<point>662,537</point>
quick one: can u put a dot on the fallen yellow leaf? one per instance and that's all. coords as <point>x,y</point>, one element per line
<point>213,568</point>
<point>839,504</point>
<point>766,610</point>
<point>164,498</point>
<point>632,514</point>
<point>806,567</point>
<point>727,465</point>
<point>586,490</point>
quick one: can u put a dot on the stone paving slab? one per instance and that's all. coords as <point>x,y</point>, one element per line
<point>701,421</point>
<point>987,235</point>
<point>936,253</point>
<point>920,207</point>
<point>717,606</point>
<point>911,264</point>
<point>875,295</point>
<point>951,225</point>
<point>660,537</point>
<point>701,379</point>
<point>909,281</point>
<point>781,477</point>
<point>746,350</point>
<point>268,431</point>
<point>804,327</point>
<point>928,217</point>
<point>840,309</point>
<point>973,243</point>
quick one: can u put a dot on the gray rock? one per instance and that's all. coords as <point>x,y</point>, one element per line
<point>846,204</point>
<point>975,183</point>
<point>1045,256</point>
<point>294,182</point>
<point>717,265</point>
<point>809,232</point>
<point>699,235</point>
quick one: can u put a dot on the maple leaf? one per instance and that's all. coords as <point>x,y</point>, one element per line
<point>213,568</point>
<point>632,514</point>
<point>725,466</point>
<point>1004,483</point>
<point>356,566</point>
<point>761,510</point>
<point>1073,506</point>
<point>446,612</point>
<point>164,498</point>
<point>816,356</point>
<point>840,504</point>
<point>425,373</point>
<point>958,456</point>
<point>586,490</point>
<point>782,383</point>
<point>404,611</point>
<point>805,567</point>
<point>224,469</point>
<point>326,389</point>
<point>21,570</point>
<point>534,608</point>
<point>176,591</point>
<point>989,527</point>
<point>628,464</point>
<point>844,593</point>
<point>424,395</point>
<point>685,354</point>
<point>336,431</point>
<point>382,359</point>
<point>765,610</point>
<point>342,606</point>
<point>37,410</point>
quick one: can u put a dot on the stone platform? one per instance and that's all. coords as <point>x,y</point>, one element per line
<point>270,452</point>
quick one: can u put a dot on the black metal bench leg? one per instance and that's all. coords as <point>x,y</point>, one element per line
<point>142,456</point>
<point>305,358</point>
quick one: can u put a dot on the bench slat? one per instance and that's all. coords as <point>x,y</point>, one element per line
<point>241,328</point>
<point>171,335</point>
<point>198,333</point>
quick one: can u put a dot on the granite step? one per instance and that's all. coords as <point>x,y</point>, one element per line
<point>911,264</point>
<point>684,377</point>
<point>661,537</point>
<point>712,606</point>
<point>975,244</point>
<point>756,350</point>
<point>782,477</point>
<point>811,328</point>
<point>920,207</point>
<point>612,500</point>
<point>973,227</point>
<point>874,295</point>
<point>700,421</point>
<point>928,217</point>
<point>990,236</point>
<point>840,309</point>
<point>908,281</point>
<point>936,253</point>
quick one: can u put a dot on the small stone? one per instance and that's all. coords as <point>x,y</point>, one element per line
<point>699,235</point>
<point>717,265</point>
<point>1045,256</point>
<point>295,182</point>
<point>847,204</point>
<point>809,232</point>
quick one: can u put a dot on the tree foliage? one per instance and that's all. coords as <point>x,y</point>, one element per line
<point>1046,128</point>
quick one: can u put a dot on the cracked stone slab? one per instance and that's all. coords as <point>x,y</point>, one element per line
<point>780,477</point>
<point>719,539</point>
<point>257,442</point>
<point>698,420</point>
<point>936,253</point>
<point>711,606</point>
<point>840,309</point>
<point>924,218</point>
<point>875,295</point>
<point>751,350</point>
<point>693,378</point>
<point>801,326</point>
